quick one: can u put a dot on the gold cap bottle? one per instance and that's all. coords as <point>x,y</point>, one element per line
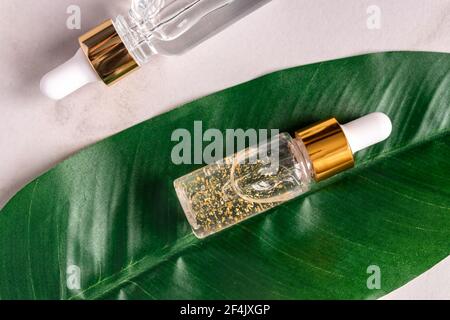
<point>116,48</point>
<point>243,185</point>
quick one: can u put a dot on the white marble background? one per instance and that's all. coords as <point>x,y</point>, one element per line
<point>36,133</point>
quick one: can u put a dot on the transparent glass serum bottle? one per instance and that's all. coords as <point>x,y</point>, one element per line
<point>117,47</point>
<point>261,177</point>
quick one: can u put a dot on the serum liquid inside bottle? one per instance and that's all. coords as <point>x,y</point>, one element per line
<point>261,177</point>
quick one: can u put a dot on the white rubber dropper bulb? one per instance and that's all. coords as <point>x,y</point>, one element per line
<point>367,131</point>
<point>68,77</point>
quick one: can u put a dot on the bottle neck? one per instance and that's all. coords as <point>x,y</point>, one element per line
<point>134,39</point>
<point>302,157</point>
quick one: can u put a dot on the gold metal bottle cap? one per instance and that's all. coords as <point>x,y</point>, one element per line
<point>107,53</point>
<point>327,147</point>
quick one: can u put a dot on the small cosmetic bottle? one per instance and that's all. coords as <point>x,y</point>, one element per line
<point>153,27</point>
<point>261,177</point>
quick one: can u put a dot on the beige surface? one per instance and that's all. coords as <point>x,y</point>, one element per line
<point>36,133</point>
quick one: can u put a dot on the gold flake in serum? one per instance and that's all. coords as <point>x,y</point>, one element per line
<point>259,178</point>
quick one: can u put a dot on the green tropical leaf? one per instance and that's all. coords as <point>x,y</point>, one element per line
<point>112,212</point>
